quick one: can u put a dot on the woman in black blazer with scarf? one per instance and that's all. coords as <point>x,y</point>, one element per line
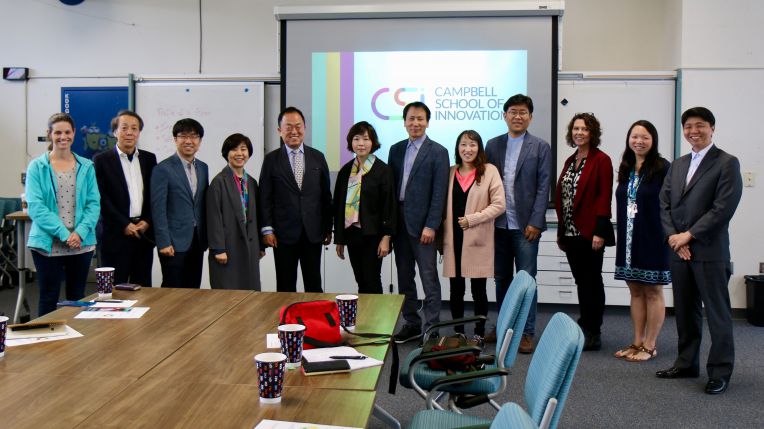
<point>364,208</point>
<point>582,200</point>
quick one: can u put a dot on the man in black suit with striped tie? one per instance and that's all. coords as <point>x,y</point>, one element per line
<point>296,205</point>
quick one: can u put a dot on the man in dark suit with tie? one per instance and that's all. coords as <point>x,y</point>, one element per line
<point>420,168</point>
<point>124,177</point>
<point>699,196</point>
<point>178,189</point>
<point>296,204</point>
<point>525,164</point>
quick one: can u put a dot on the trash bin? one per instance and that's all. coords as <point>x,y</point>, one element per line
<point>754,292</point>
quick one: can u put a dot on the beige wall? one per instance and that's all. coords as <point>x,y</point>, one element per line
<point>621,35</point>
<point>723,57</point>
<point>114,38</point>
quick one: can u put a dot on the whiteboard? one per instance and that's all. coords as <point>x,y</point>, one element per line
<point>617,104</point>
<point>223,108</point>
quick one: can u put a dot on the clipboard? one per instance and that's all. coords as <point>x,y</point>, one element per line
<point>53,328</point>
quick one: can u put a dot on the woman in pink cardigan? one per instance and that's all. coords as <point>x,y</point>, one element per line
<point>475,199</point>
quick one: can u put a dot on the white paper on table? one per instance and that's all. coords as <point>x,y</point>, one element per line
<point>272,341</point>
<point>70,333</point>
<point>277,424</point>
<point>324,354</point>
<point>122,304</point>
<point>132,313</point>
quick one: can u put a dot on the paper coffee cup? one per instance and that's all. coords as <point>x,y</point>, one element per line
<point>291,338</point>
<point>3,330</point>
<point>270,376</point>
<point>104,282</point>
<point>348,306</point>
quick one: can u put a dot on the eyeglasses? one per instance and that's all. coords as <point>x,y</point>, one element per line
<point>518,113</point>
<point>187,137</point>
<point>290,127</point>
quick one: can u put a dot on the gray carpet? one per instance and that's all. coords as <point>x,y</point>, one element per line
<point>607,392</point>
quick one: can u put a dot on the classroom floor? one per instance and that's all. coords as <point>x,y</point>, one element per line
<point>611,393</point>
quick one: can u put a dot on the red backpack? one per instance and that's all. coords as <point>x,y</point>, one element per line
<point>322,329</point>
<point>321,320</point>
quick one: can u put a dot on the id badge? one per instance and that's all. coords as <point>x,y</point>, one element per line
<point>631,210</point>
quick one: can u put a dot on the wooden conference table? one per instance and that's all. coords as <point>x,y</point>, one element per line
<point>188,362</point>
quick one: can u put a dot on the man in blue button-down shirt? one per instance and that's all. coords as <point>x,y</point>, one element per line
<point>420,167</point>
<point>525,164</point>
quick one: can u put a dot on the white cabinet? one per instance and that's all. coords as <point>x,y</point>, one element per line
<point>556,283</point>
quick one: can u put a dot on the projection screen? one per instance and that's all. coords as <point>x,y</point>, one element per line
<point>341,71</point>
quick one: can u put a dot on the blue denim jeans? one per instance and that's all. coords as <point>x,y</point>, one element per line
<point>512,251</point>
<point>51,270</point>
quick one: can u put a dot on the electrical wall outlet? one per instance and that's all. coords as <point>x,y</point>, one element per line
<point>749,179</point>
<point>761,267</point>
<point>23,178</point>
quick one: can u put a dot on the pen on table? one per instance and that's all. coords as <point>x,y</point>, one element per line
<point>113,301</point>
<point>357,357</point>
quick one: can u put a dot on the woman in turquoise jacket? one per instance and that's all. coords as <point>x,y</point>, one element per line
<point>64,205</point>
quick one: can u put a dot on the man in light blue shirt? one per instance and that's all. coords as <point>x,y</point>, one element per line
<point>525,164</point>
<point>420,167</point>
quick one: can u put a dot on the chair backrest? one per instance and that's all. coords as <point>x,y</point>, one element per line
<point>552,367</point>
<point>513,315</point>
<point>512,416</point>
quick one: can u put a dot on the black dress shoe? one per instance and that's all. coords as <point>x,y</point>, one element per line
<point>592,342</point>
<point>407,333</point>
<point>675,372</point>
<point>716,386</point>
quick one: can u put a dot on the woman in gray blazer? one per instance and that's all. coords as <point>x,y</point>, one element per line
<point>232,222</point>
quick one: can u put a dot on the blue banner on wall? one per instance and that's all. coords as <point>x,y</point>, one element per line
<point>92,109</point>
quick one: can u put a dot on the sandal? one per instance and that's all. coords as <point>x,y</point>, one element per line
<point>627,351</point>
<point>650,354</point>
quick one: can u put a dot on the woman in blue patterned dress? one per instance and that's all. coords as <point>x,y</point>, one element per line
<point>642,256</point>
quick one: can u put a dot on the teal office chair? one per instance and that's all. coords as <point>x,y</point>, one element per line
<point>546,385</point>
<point>415,374</point>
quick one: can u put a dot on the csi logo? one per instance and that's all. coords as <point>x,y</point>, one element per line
<point>401,101</point>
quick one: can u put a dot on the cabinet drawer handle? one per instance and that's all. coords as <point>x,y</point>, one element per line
<point>566,279</point>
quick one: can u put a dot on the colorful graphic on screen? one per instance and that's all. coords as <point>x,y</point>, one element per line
<point>463,89</point>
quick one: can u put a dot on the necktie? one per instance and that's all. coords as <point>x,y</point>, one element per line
<point>298,167</point>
